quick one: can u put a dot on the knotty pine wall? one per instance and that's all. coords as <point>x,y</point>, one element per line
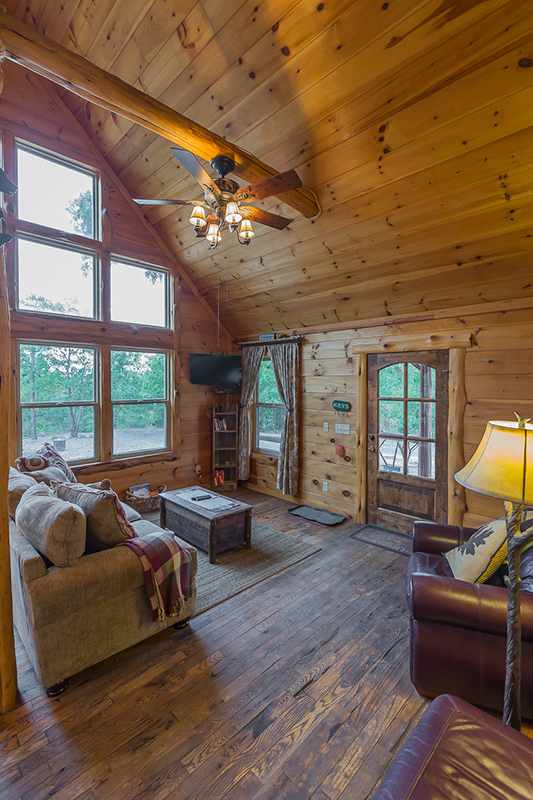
<point>499,381</point>
<point>30,109</point>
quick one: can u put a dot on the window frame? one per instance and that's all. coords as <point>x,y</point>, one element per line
<point>257,406</point>
<point>41,327</point>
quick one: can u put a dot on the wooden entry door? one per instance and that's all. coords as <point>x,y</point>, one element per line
<point>407,438</point>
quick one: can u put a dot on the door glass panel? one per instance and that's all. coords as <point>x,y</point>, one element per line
<point>421,459</point>
<point>420,381</point>
<point>391,381</point>
<point>390,454</point>
<point>391,416</point>
<point>421,419</point>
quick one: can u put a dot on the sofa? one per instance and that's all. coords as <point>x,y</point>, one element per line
<point>458,630</point>
<point>71,617</point>
<point>457,752</point>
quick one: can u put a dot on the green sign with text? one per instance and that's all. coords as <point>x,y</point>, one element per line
<point>341,405</point>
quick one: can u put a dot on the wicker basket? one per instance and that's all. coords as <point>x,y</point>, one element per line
<point>145,504</point>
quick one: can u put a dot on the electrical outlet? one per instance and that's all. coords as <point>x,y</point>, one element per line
<point>198,469</point>
<point>324,486</point>
<point>326,427</point>
<point>342,429</point>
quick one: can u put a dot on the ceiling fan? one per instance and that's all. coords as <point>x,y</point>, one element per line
<point>226,202</point>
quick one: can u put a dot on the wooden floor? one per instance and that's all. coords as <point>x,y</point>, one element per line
<point>297,688</point>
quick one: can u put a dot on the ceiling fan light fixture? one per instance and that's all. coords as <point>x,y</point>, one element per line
<point>197,217</point>
<point>213,234</point>
<point>246,232</point>
<point>233,215</point>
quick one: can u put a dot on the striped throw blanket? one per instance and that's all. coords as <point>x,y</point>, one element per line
<point>167,572</point>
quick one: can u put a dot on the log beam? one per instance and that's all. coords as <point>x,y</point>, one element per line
<point>456,415</point>
<point>361,394</point>
<point>8,670</point>
<point>41,55</point>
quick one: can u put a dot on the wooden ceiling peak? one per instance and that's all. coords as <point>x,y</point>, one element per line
<point>41,55</point>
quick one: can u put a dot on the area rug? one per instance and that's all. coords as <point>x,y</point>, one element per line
<point>318,516</point>
<point>400,543</point>
<point>238,569</point>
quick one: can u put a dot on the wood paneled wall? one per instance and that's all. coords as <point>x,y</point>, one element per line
<point>31,110</point>
<point>499,381</point>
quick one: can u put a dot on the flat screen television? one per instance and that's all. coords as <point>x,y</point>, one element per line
<point>209,369</point>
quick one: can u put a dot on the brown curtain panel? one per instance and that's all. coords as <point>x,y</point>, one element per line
<point>286,363</point>
<point>251,361</point>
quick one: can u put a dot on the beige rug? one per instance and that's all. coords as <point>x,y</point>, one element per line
<point>238,569</point>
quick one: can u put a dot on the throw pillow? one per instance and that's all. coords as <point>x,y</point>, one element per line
<point>106,521</point>
<point>55,529</point>
<point>47,456</point>
<point>479,557</point>
<point>17,485</point>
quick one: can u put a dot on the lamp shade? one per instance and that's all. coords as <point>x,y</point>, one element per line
<point>502,465</point>
<point>197,217</point>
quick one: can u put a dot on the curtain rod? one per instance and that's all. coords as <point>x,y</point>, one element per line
<point>270,342</point>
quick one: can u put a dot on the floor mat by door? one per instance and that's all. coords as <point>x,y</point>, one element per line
<point>394,541</point>
<point>316,515</point>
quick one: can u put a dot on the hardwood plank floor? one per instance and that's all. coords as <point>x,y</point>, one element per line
<point>297,688</point>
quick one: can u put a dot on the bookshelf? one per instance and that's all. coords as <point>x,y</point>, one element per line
<point>225,446</point>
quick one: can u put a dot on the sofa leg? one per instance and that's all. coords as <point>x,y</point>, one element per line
<point>58,688</point>
<point>184,623</point>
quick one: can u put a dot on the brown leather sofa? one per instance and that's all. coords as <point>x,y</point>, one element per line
<point>459,630</point>
<point>457,752</point>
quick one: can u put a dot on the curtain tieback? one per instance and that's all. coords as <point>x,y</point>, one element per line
<point>289,409</point>
<point>247,405</point>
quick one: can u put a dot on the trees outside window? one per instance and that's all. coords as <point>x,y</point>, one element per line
<point>269,411</point>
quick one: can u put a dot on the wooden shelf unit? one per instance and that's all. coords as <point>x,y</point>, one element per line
<point>225,444</point>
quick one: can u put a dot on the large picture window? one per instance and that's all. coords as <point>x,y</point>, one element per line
<point>269,411</point>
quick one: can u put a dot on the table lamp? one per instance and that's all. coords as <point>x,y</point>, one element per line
<point>502,467</point>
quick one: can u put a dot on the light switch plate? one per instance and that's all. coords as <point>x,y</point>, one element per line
<point>326,427</point>
<point>325,486</point>
<point>342,429</point>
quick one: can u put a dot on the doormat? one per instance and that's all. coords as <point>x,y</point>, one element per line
<point>393,541</point>
<point>316,515</point>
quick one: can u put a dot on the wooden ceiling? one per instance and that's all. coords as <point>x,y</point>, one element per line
<point>411,120</point>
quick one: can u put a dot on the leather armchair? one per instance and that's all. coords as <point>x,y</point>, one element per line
<point>458,633</point>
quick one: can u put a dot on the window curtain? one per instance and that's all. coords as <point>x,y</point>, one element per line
<point>251,361</point>
<point>286,363</point>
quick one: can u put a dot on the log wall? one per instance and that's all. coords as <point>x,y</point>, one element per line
<point>498,381</point>
<point>31,110</point>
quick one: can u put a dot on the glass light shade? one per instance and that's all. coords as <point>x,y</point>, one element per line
<point>502,465</point>
<point>213,234</point>
<point>246,231</point>
<point>233,215</point>
<point>197,217</point>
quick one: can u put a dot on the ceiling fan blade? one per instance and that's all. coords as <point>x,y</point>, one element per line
<point>265,217</point>
<point>274,185</point>
<point>148,202</point>
<point>191,163</point>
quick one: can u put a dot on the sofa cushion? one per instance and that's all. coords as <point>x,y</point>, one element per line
<point>46,456</point>
<point>17,484</point>
<point>56,529</point>
<point>479,557</point>
<point>131,514</point>
<point>106,521</point>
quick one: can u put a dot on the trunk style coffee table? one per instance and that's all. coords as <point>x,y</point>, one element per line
<point>207,520</point>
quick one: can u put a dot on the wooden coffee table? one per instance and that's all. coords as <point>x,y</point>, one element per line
<point>213,524</point>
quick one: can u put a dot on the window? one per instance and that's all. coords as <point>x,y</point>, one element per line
<point>139,395</point>
<point>96,397</point>
<point>138,294</point>
<point>58,399</point>
<point>55,193</point>
<point>269,411</point>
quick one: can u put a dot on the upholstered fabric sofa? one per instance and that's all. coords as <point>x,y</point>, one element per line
<point>458,630</point>
<point>71,617</point>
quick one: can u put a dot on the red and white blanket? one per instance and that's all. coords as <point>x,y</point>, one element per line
<point>167,572</point>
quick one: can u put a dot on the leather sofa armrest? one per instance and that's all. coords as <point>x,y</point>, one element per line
<point>475,606</point>
<point>432,537</point>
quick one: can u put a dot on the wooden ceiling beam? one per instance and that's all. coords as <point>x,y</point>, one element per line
<point>41,55</point>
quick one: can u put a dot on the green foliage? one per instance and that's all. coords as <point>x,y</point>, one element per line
<point>81,211</point>
<point>420,384</point>
<point>267,389</point>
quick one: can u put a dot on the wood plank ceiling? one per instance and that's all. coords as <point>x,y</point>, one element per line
<point>411,119</point>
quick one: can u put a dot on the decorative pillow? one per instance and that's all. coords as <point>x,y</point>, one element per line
<point>17,485</point>
<point>106,521</point>
<point>46,475</point>
<point>47,456</point>
<point>56,529</point>
<point>479,557</point>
